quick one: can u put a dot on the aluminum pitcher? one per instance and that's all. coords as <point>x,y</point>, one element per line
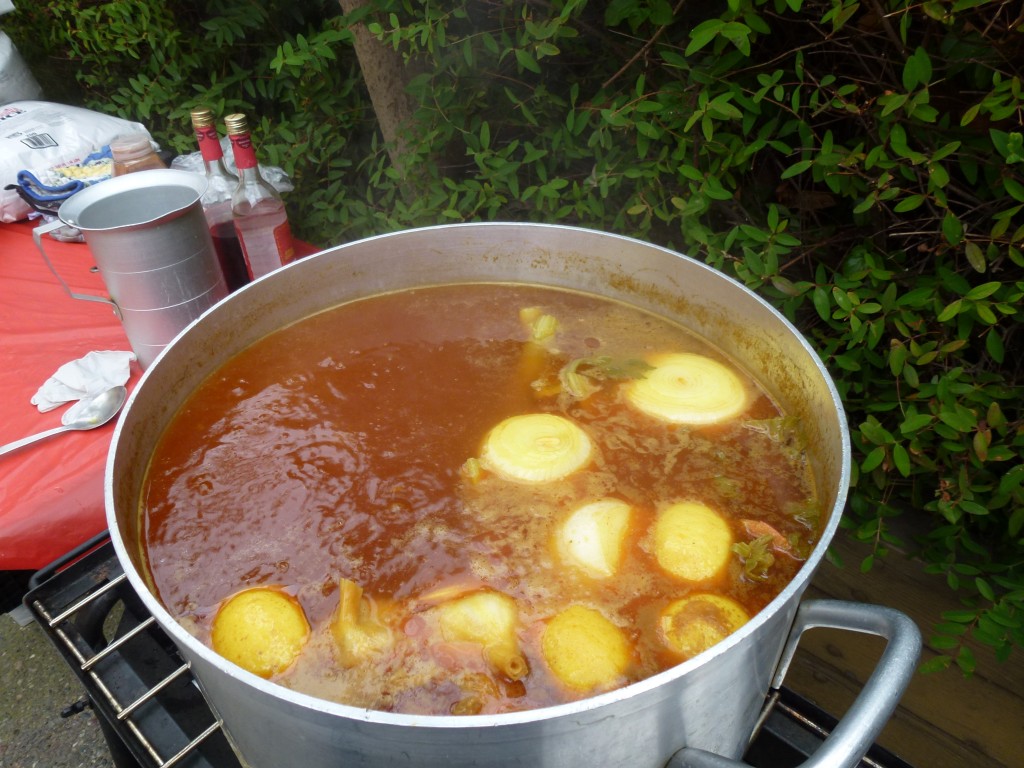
<point>149,237</point>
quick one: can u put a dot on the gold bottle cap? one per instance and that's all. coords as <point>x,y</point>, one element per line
<point>202,117</point>
<point>236,124</point>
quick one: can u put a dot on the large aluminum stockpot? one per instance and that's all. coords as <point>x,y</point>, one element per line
<point>700,713</point>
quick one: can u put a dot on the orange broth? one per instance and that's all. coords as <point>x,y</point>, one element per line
<point>336,448</point>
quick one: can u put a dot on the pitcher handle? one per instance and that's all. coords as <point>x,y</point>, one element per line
<point>37,235</point>
<point>860,726</point>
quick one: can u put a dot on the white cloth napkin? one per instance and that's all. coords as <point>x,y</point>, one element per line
<point>87,376</point>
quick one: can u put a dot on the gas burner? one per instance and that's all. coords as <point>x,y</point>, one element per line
<point>153,714</point>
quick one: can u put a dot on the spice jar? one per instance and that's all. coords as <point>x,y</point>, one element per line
<point>134,152</point>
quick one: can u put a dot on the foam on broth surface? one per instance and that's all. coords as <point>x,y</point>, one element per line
<point>345,447</point>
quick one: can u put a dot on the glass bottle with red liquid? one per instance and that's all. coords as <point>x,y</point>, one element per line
<point>259,213</point>
<point>216,201</point>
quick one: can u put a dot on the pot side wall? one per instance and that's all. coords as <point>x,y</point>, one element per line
<point>710,702</point>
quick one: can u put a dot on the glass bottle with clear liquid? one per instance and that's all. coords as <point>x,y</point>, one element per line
<point>258,210</point>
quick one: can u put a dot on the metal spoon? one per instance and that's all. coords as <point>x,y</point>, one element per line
<point>92,413</point>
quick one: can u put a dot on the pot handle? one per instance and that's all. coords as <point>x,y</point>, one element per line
<point>37,235</point>
<point>858,729</point>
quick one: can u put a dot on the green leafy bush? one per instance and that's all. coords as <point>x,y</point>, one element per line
<point>859,164</point>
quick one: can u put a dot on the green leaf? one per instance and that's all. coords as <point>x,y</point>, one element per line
<point>915,423</point>
<point>984,589</point>
<point>703,34</point>
<point>994,346</point>
<point>841,299</point>
<point>1016,522</point>
<point>917,70</point>
<point>969,115</point>
<point>975,256</point>
<point>722,109</point>
<point>984,312</point>
<point>898,142</point>
<point>909,203</point>
<point>875,432</point>
<point>738,34</point>
<point>897,357</point>
<point>873,460</point>
<point>961,420</point>
<point>945,151</point>
<point>983,291</point>
<point>918,297</point>
<point>546,49</point>
<point>974,508</point>
<point>821,303</point>
<point>866,204</point>
<point>998,617</point>
<point>960,616</point>
<point>1009,145</point>
<point>935,664</point>
<point>997,419</point>
<point>944,642</point>
<point>951,311</point>
<point>952,228</point>
<point>965,660</point>
<point>526,60</point>
<point>1015,188</point>
<point>797,168</point>
<point>901,459</point>
<point>649,130</point>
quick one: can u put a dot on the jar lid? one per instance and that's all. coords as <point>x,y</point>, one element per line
<point>131,146</point>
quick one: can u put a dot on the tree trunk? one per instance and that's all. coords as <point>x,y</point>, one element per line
<point>385,75</point>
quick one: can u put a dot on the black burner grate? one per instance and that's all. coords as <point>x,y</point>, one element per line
<point>153,714</point>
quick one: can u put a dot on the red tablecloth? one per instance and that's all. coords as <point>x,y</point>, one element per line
<point>51,492</point>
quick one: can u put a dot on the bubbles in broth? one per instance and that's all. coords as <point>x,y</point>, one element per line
<point>483,498</point>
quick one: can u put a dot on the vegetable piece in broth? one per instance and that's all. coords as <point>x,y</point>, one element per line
<point>685,388</point>
<point>489,619</point>
<point>692,541</point>
<point>585,650</point>
<point>592,536</point>
<point>536,448</point>
<point>693,624</point>
<point>357,633</point>
<point>262,630</point>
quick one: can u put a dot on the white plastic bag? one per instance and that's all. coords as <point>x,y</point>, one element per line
<point>51,141</point>
<point>193,162</point>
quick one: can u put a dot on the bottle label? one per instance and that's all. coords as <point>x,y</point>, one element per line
<point>209,143</point>
<point>245,154</point>
<point>265,247</point>
<point>285,243</point>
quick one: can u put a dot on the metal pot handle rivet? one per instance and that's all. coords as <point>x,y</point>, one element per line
<point>860,726</point>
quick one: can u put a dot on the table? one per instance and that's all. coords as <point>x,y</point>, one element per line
<point>51,492</point>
